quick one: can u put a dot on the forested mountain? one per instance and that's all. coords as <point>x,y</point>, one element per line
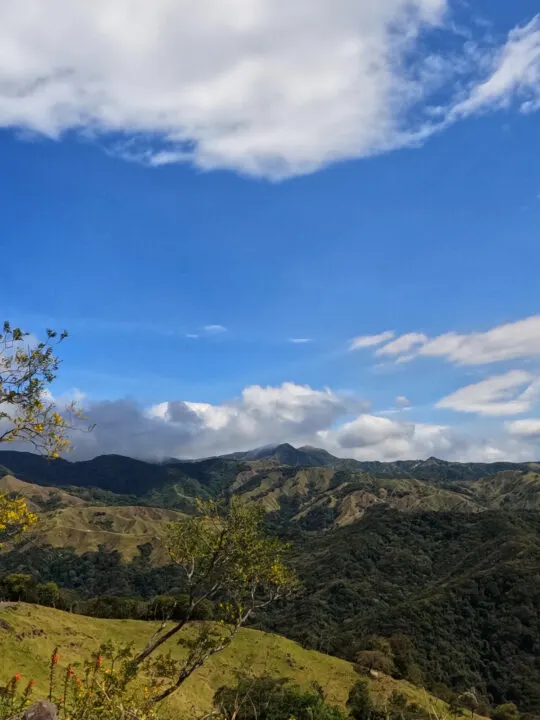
<point>313,487</point>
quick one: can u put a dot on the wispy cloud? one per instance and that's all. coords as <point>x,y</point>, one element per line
<point>300,341</point>
<point>496,395</point>
<point>402,344</point>
<point>520,339</point>
<point>214,329</point>
<point>365,341</point>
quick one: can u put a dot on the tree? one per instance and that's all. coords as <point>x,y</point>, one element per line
<point>18,586</point>
<point>48,594</point>
<point>27,413</point>
<point>15,518</point>
<point>506,711</point>
<point>227,559</point>
<point>359,703</point>
<point>367,660</point>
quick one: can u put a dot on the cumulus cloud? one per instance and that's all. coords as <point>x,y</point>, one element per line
<point>510,341</point>
<point>524,428</point>
<point>260,416</point>
<point>496,395</point>
<point>365,341</point>
<point>266,87</point>
<point>291,413</point>
<point>371,437</point>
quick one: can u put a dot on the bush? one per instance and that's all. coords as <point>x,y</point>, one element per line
<point>270,698</point>
<point>506,711</point>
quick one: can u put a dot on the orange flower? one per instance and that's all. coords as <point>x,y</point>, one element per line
<point>99,660</point>
<point>16,677</point>
<point>70,672</point>
<point>55,657</point>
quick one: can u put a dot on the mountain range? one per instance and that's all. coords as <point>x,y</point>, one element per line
<point>305,485</point>
<point>440,558</point>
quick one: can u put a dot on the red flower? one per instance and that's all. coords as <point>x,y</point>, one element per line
<point>70,672</point>
<point>99,660</point>
<point>55,658</point>
<point>16,677</point>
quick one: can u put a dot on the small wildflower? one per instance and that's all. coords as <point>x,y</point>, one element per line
<point>99,660</point>
<point>55,658</point>
<point>70,672</point>
<point>16,677</point>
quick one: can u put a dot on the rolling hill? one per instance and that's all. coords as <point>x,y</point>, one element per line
<point>28,634</point>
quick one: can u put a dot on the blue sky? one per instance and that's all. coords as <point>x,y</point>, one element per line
<point>388,181</point>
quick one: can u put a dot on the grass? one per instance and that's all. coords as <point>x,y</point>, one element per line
<point>29,633</point>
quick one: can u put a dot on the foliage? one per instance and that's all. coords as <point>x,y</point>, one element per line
<point>227,558</point>
<point>268,698</point>
<point>374,660</point>
<point>26,413</point>
<point>15,696</point>
<point>456,595</point>
<point>101,687</point>
<point>506,711</point>
<point>25,373</point>
<point>359,703</point>
<point>15,518</point>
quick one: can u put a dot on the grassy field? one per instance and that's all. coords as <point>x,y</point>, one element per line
<point>29,633</point>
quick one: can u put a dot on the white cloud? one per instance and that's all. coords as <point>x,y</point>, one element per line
<point>365,341</point>
<point>261,416</point>
<point>496,395</point>
<point>263,86</point>
<point>402,402</point>
<point>266,87</point>
<point>287,413</point>
<point>520,339</point>
<point>402,344</point>
<point>524,428</point>
<point>300,341</point>
<point>371,437</point>
<point>515,74</point>
<point>214,329</point>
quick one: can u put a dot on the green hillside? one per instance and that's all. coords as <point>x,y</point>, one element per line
<point>465,589</point>
<point>114,528</point>
<point>28,634</point>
